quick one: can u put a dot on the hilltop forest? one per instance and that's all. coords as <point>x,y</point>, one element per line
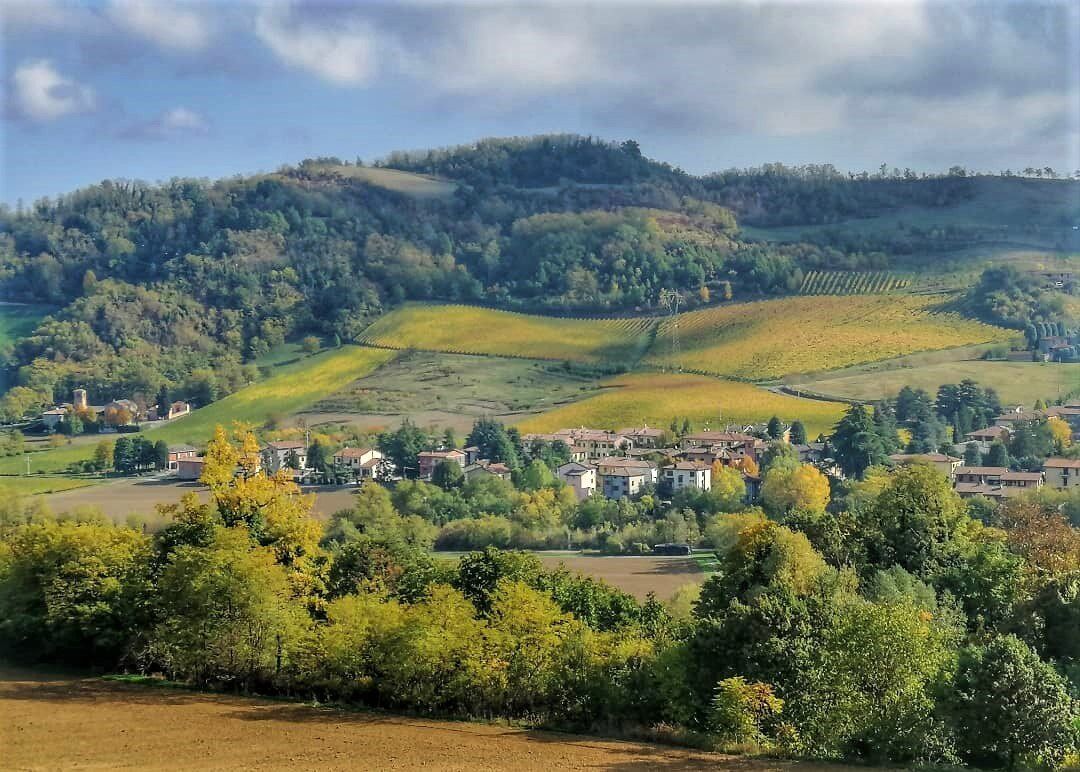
<point>185,284</point>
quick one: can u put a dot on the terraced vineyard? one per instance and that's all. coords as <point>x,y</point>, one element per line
<point>657,398</point>
<point>459,329</point>
<point>853,283</point>
<point>774,338</point>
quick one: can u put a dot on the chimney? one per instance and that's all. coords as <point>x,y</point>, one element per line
<point>79,400</point>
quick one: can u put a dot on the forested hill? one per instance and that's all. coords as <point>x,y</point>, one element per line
<point>158,283</point>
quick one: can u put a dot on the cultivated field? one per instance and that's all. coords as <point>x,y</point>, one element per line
<point>774,338</point>
<point>54,721</point>
<point>123,499</point>
<point>434,389</point>
<point>1015,382</point>
<point>852,283</point>
<point>472,330</point>
<point>40,484</point>
<point>293,388</point>
<point>656,399</point>
<point>636,575</point>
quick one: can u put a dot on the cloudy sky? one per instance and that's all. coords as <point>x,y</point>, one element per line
<point>151,89</point>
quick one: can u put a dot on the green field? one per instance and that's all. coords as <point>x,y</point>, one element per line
<point>436,389</point>
<point>293,388</point>
<point>40,484</point>
<point>657,398</point>
<point>473,330</point>
<point>1015,382</point>
<point>18,320</point>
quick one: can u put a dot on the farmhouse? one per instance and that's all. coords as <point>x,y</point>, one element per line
<point>178,453</point>
<point>688,474</point>
<point>716,438</point>
<point>984,438</point>
<point>1003,486</point>
<point>174,410</point>
<point>1062,473</point>
<point>980,475</point>
<point>596,443</point>
<point>580,477</point>
<point>429,459</point>
<point>577,452</point>
<point>947,465</point>
<point>485,468</point>
<point>625,477</point>
<point>365,463</point>
<point>644,437</point>
<point>276,455</point>
<point>53,417</point>
<point>190,468</point>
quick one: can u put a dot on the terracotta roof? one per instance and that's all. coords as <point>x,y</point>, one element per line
<point>989,431</point>
<point>630,463</point>
<point>286,445</point>
<point>352,452</point>
<point>983,471</point>
<point>717,436</point>
<point>574,468</point>
<point>901,458</point>
<point>695,466</point>
<point>1062,463</point>
<point>181,448</point>
<point>1022,476</point>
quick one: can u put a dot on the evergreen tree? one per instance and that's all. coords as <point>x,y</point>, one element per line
<point>856,444</point>
<point>798,433</point>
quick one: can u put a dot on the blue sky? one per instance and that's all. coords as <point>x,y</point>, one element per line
<point>152,89</point>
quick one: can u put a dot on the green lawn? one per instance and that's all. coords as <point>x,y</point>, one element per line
<point>41,484</point>
<point>1015,382</point>
<point>293,388</point>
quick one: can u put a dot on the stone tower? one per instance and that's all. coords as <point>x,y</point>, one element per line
<point>79,402</point>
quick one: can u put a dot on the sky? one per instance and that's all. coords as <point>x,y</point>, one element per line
<point>155,89</point>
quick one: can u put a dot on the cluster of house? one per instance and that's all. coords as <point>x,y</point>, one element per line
<point>118,412</point>
<point>594,467</point>
<point>998,482</point>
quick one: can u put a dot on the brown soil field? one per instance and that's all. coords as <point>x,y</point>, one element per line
<point>122,498</point>
<point>636,575</point>
<point>69,722</point>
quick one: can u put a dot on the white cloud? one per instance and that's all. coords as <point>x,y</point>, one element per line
<point>40,93</point>
<point>174,123</point>
<point>345,55</point>
<point>169,25</point>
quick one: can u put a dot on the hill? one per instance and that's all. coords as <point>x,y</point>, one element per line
<point>195,281</point>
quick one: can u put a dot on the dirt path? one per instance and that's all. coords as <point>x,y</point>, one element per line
<point>65,722</point>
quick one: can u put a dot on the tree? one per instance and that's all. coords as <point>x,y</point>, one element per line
<point>998,455</point>
<point>856,444</point>
<point>494,442</point>
<point>319,458</point>
<point>536,475</point>
<point>1006,704</point>
<point>798,433</point>
<point>161,455</point>
<point>802,488</point>
<point>310,344</point>
<point>780,455</point>
<point>1061,433</point>
<point>972,457</point>
<point>728,490</point>
<point>448,474</point>
<point>402,447</point>
<point>775,428</point>
<point>124,456</point>
<point>228,613</point>
<point>744,713</point>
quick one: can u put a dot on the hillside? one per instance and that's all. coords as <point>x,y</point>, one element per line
<point>186,285</point>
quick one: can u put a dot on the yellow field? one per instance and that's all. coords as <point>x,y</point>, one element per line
<point>658,398</point>
<point>773,338</point>
<point>472,330</point>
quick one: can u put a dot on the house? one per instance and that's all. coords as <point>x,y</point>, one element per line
<point>596,443</point>
<point>578,453</point>
<point>966,490</point>
<point>1021,482</point>
<point>53,418</point>
<point>190,468</point>
<point>365,463</point>
<point>120,407</point>
<point>1017,415</point>
<point>610,464</point>
<point>644,437</point>
<point>984,438</point>
<point>625,482</point>
<point>723,439</point>
<point>276,455</point>
<point>980,475</point>
<point>947,465</point>
<point>429,459</point>
<point>580,477</point>
<point>472,454</point>
<point>178,453</point>
<point>1062,473</point>
<point>175,410</point>
<point>688,474</point>
<point>483,468</point>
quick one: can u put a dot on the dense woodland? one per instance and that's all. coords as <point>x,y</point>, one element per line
<point>885,621</point>
<point>184,284</point>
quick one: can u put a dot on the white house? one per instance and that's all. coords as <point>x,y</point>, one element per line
<point>688,474</point>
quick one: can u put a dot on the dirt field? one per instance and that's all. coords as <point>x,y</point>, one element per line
<point>122,498</point>
<point>65,722</point>
<point>637,576</point>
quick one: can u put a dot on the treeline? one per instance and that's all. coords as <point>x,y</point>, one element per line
<point>1006,297</point>
<point>888,627</point>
